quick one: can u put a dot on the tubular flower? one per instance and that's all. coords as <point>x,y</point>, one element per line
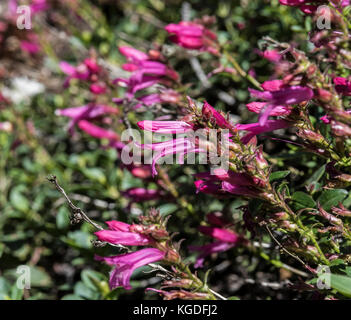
<point>121,233</point>
<point>311,6</point>
<point>342,86</point>
<point>97,132</point>
<point>142,194</point>
<point>146,72</point>
<point>227,239</point>
<point>256,128</point>
<point>89,70</point>
<point>278,95</point>
<point>86,112</point>
<point>125,265</point>
<point>194,36</point>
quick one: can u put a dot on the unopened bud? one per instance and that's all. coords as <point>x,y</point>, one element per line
<point>340,129</point>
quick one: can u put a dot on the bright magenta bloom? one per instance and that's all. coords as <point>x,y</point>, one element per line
<point>167,127</point>
<point>208,249</point>
<point>142,194</point>
<point>343,86</point>
<point>86,112</point>
<point>256,128</point>
<point>191,35</point>
<point>212,114</point>
<point>97,132</point>
<point>127,263</point>
<point>119,233</point>
<point>219,234</point>
<point>276,94</point>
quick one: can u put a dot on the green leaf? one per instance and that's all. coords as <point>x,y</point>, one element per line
<point>62,218</point>
<point>303,200</point>
<point>278,175</point>
<point>71,297</point>
<point>18,200</point>
<point>340,283</point>
<point>316,175</point>
<point>331,198</point>
<point>95,174</point>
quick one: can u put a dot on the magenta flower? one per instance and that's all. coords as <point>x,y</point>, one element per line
<point>38,6</point>
<point>97,132</point>
<point>311,6</point>
<point>133,54</point>
<point>180,146</point>
<point>86,112</point>
<point>127,263</point>
<point>227,239</point>
<point>278,95</point>
<point>239,190</point>
<point>165,127</point>
<point>271,55</point>
<point>217,219</point>
<point>121,233</point>
<point>258,107</point>
<point>146,72</point>
<point>212,114</point>
<point>207,187</point>
<point>209,249</point>
<point>88,70</point>
<point>343,86</point>
<point>97,88</point>
<point>194,36</point>
<point>256,128</point>
<point>142,194</point>
<point>221,234</point>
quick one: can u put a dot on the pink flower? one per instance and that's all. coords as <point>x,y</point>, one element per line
<point>212,114</point>
<point>165,127</point>
<point>191,35</point>
<point>217,219</point>
<point>207,187</point>
<point>97,132</point>
<point>256,128</point>
<point>30,46</point>
<point>85,71</point>
<point>278,95</point>
<point>181,146</point>
<point>209,249</point>
<point>97,88</point>
<point>342,86</point>
<point>38,6</point>
<point>219,234</point>
<point>142,194</point>
<point>127,263</point>
<point>258,107</point>
<point>133,54</point>
<point>271,55</point>
<point>86,112</point>
<point>120,233</point>
<point>311,6</point>
<point>239,190</point>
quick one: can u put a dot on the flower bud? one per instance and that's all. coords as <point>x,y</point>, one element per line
<point>340,129</point>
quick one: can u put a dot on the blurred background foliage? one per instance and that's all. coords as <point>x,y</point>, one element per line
<point>34,220</point>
